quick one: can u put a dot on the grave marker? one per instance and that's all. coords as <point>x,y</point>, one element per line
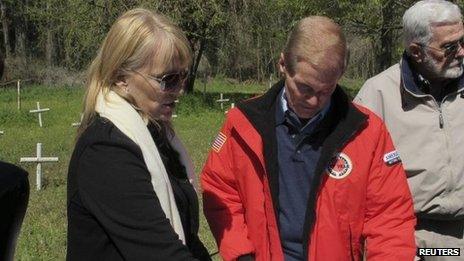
<point>270,81</point>
<point>175,115</point>
<point>222,100</point>
<point>77,124</point>
<point>39,112</point>
<point>18,87</point>
<point>39,160</point>
<point>232,105</point>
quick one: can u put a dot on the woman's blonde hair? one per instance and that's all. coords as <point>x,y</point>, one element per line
<point>137,39</point>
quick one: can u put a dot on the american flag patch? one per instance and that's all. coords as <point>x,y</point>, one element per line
<point>219,141</point>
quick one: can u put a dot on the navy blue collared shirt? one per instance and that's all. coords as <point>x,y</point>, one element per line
<point>297,160</point>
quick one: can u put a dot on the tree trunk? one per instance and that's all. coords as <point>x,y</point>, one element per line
<point>49,44</point>
<point>50,48</point>
<point>5,28</point>
<point>385,41</point>
<point>106,23</point>
<point>258,60</point>
<point>194,67</point>
<point>20,32</point>
<point>67,52</point>
<point>20,49</point>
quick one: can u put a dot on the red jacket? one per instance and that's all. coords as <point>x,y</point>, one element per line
<point>359,197</point>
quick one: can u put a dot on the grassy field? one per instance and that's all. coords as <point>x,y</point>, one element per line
<point>43,234</point>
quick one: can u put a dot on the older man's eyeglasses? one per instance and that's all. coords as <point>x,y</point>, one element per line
<point>168,82</point>
<point>448,49</point>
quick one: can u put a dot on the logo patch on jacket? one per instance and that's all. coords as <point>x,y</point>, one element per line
<point>219,142</point>
<point>391,158</point>
<point>340,166</point>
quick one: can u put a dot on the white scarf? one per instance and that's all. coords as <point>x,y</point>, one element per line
<point>129,122</point>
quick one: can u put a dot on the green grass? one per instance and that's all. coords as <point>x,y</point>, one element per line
<point>227,85</point>
<point>351,86</point>
<point>43,234</point>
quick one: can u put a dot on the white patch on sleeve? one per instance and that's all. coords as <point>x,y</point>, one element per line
<point>391,158</point>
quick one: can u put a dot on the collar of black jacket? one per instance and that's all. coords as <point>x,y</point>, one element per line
<point>339,125</point>
<point>261,111</point>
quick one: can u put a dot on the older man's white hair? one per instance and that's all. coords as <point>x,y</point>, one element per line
<point>419,19</point>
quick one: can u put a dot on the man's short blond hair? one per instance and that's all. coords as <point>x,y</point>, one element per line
<point>319,41</point>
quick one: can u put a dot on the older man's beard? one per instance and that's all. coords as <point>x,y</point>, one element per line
<point>450,71</point>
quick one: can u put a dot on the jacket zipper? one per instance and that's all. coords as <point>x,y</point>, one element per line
<point>307,236</point>
<point>440,117</point>
<point>447,144</point>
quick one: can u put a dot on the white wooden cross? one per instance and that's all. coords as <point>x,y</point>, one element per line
<point>39,112</point>
<point>270,81</point>
<point>232,105</point>
<point>175,115</point>
<point>39,160</point>
<point>18,89</point>
<point>222,100</point>
<point>77,124</point>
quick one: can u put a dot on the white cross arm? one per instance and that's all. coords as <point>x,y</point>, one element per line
<point>40,110</point>
<point>38,160</point>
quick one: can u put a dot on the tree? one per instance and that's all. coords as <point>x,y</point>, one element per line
<point>377,20</point>
<point>202,21</point>
<point>5,28</point>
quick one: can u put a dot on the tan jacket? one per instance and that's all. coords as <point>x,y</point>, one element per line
<point>428,137</point>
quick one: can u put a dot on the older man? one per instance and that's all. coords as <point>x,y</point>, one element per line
<point>300,173</point>
<point>421,100</point>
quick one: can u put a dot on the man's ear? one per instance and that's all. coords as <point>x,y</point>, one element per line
<point>346,61</point>
<point>281,63</point>
<point>416,52</point>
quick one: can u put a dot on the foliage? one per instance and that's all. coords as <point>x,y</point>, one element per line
<point>240,39</point>
<point>203,21</point>
<point>378,21</point>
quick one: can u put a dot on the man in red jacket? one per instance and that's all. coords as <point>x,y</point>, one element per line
<point>300,173</point>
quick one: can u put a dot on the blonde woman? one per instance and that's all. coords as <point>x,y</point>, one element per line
<point>130,192</point>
